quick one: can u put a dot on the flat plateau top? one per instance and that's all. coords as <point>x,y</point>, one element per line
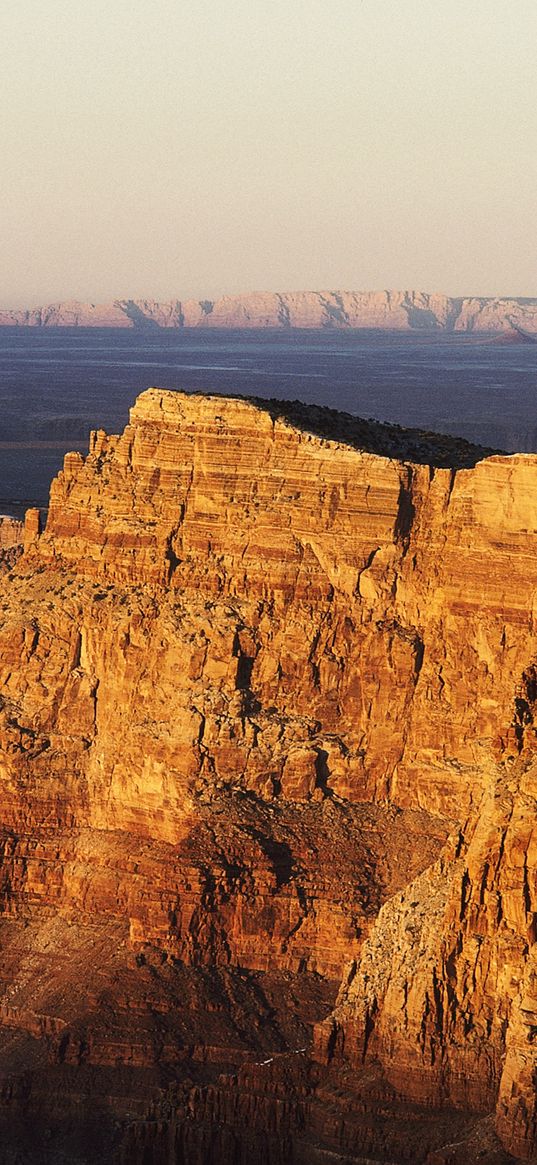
<point>368,436</point>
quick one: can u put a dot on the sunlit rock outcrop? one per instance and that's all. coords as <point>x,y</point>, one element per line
<point>267,695</point>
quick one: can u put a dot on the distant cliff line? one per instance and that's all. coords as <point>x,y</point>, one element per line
<point>413,311</point>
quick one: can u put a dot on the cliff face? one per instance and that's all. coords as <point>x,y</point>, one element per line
<point>386,310</point>
<point>267,694</point>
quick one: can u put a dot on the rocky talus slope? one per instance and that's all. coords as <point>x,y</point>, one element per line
<point>268,699</point>
<point>386,310</point>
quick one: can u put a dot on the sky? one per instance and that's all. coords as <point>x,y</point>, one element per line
<point>168,149</point>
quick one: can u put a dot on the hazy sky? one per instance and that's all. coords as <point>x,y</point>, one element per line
<point>170,148</point>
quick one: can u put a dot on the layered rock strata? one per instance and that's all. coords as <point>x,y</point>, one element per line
<point>267,693</point>
<point>385,310</point>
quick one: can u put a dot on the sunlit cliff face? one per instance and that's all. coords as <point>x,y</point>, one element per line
<point>400,311</point>
<point>267,689</point>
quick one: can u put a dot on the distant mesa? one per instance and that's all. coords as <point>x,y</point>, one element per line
<point>400,311</point>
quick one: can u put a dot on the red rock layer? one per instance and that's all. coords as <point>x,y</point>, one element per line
<point>267,704</point>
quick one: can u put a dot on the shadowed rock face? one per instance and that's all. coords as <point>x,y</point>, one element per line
<point>267,695</point>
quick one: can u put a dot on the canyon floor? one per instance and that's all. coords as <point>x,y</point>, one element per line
<point>268,687</point>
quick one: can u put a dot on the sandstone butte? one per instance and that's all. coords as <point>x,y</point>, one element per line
<point>268,685</point>
<point>385,310</point>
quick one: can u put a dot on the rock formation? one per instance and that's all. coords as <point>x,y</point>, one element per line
<point>11,541</point>
<point>384,310</point>
<point>268,700</point>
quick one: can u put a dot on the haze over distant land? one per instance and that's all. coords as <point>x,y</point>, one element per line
<point>385,310</point>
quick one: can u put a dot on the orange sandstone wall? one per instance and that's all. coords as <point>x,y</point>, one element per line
<point>275,694</point>
<point>393,602</point>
